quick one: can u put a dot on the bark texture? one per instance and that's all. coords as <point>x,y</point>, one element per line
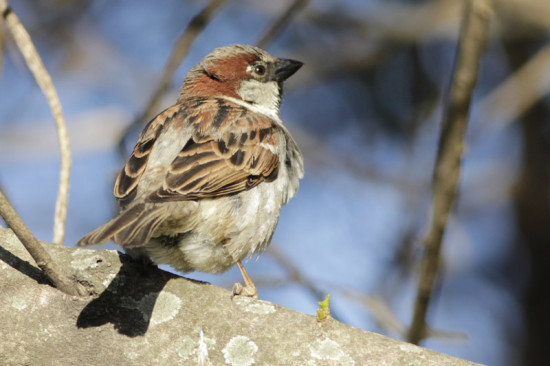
<point>155,317</point>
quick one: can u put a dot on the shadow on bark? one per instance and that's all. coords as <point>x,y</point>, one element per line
<point>23,266</point>
<point>128,301</point>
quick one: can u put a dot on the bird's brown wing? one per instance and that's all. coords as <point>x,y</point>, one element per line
<point>231,149</point>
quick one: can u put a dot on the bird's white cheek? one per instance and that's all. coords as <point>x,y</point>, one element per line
<point>264,97</point>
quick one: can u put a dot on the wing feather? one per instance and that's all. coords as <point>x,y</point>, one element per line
<point>231,149</point>
<point>234,151</point>
<point>130,175</point>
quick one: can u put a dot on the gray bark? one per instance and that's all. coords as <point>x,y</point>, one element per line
<point>139,317</point>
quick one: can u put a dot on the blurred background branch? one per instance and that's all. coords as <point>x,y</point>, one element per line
<point>279,23</point>
<point>473,38</point>
<point>519,92</point>
<point>531,200</point>
<point>35,65</point>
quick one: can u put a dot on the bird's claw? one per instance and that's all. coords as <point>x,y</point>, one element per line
<point>248,290</point>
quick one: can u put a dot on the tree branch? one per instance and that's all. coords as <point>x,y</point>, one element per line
<point>281,22</point>
<point>473,37</point>
<point>36,66</point>
<point>519,92</point>
<point>40,256</point>
<point>158,317</point>
<point>179,51</point>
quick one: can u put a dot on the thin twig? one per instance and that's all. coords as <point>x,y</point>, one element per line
<point>519,92</point>
<point>389,321</point>
<point>379,309</point>
<point>179,51</point>
<point>40,256</point>
<point>24,43</point>
<point>281,22</point>
<point>294,273</point>
<point>473,37</point>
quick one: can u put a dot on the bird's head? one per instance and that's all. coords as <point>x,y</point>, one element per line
<point>246,73</point>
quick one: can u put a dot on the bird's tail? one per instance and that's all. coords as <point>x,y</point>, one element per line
<point>131,228</point>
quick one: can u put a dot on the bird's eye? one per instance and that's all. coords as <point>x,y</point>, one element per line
<point>259,69</point>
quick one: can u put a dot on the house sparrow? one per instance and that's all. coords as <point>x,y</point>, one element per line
<point>207,178</point>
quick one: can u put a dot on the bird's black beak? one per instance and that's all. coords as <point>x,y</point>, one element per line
<point>286,68</point>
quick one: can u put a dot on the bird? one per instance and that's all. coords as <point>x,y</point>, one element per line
<point>205,183</point>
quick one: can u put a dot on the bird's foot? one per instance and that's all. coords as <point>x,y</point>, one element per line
<point>249,289</point>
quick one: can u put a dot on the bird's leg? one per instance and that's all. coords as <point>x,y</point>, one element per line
<point>144,263</point>
<point>249,288</point>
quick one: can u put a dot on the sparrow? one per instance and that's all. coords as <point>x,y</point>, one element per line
<point>207,178</point>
